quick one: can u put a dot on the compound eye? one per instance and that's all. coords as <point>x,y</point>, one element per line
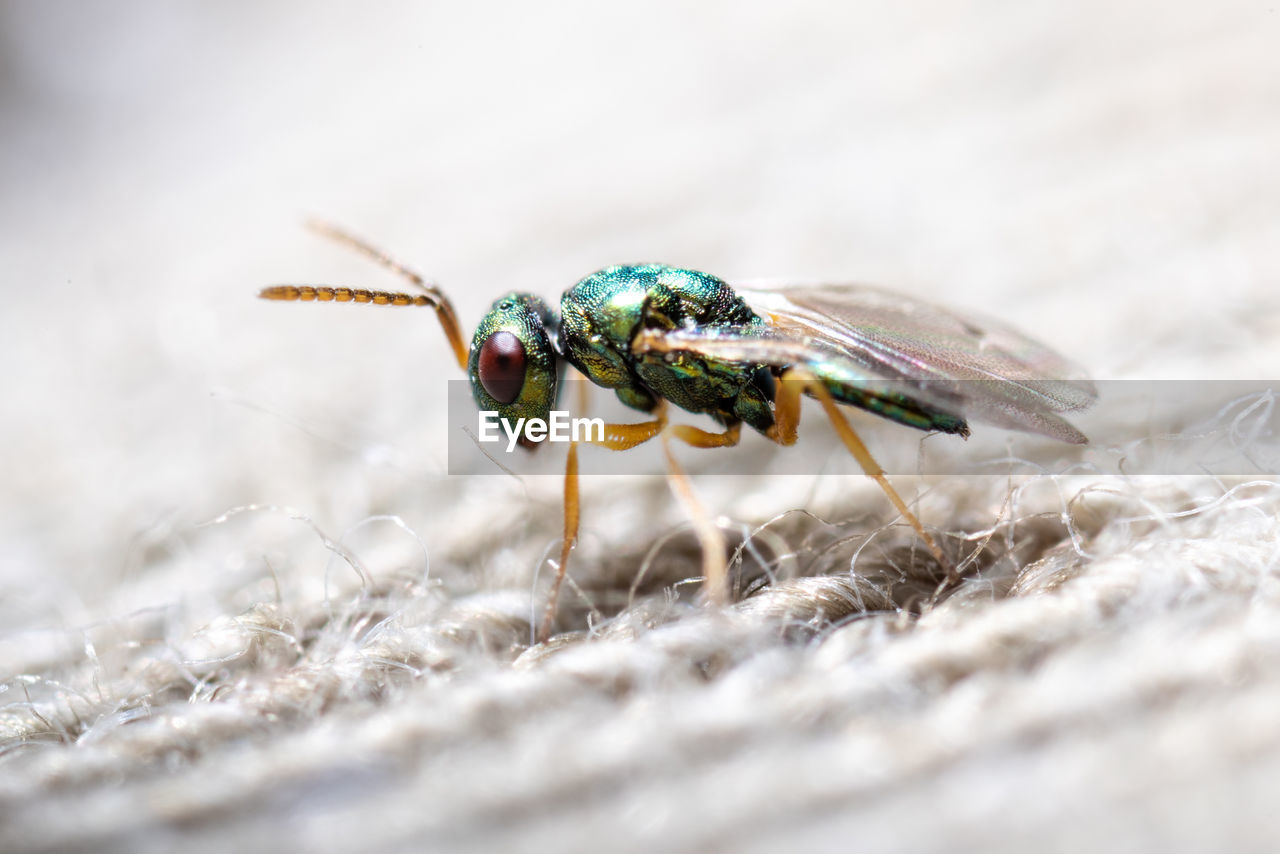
<point>501,366</point>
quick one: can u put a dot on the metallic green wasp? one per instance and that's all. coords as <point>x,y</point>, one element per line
<point>660,335</point>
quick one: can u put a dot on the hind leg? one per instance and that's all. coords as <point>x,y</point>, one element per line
<point>793,383</point>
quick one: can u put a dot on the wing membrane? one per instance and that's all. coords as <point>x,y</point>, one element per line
<point>979,369</point>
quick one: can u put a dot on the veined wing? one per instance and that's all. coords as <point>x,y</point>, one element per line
<point>979,369</point>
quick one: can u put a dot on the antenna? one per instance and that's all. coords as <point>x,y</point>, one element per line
<point>431,294</point>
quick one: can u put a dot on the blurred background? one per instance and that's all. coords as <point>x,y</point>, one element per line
<point>1102,175</point>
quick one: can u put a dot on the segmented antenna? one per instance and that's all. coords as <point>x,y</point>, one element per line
<point>431,294</point>
<point>325,293</point>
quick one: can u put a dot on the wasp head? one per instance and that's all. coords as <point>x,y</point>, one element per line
<point>512,362</point>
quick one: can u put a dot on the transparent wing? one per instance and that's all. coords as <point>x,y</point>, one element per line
<point>979,369</point>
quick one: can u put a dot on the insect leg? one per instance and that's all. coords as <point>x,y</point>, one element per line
<point>622,437</point>
<point>715,569</point>
<point>697,438</point>
<point>435,296</point>
<point>787,418</point>
<point>571,517</point>
<point>617,437</point>
<point>715,572</point>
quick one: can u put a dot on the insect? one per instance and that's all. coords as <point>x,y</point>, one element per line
<point>659,335</point>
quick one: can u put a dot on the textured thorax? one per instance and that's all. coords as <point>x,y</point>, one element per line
<point>601,315</point>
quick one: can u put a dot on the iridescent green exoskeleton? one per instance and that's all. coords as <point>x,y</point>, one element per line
<point>660,335</point>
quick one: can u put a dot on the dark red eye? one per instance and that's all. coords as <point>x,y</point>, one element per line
<point>501,366</point>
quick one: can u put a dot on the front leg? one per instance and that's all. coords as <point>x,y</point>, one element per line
<point>621,437</point>
<point>617,437</point>
<point>571,518</point>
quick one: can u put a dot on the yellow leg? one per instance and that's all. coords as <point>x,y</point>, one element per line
<point>715,568</point>
<point>617,437</point>
<point>621,437</point>
<point>571,517</point>
<point>704,439</point>
<point>787,420</point>
<point>715,573</point>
